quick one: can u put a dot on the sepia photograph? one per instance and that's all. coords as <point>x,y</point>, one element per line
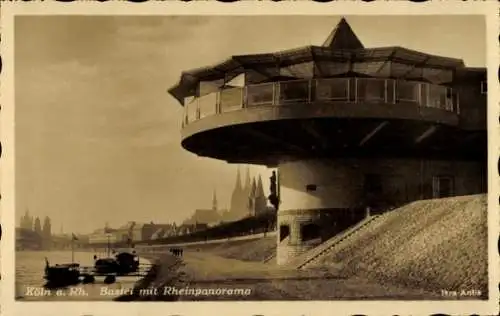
<point>292,158</point>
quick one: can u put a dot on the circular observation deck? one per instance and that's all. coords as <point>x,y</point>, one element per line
<point>334,117</point>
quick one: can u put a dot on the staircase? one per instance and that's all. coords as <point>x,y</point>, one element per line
<point>312,255</point>
<point>272,256</point>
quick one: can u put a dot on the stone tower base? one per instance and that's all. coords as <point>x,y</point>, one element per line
<point>322,197</point>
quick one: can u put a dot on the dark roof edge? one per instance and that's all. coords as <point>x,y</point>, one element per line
<point>234,62</point>
<point>476,69</point>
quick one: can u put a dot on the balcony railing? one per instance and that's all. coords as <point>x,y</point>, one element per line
<point>346,90</point>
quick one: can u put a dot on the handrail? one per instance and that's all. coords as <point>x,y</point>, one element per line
<point>327,90</point>
<point>322,249</point>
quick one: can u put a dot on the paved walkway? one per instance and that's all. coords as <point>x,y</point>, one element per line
<point>270,282</point>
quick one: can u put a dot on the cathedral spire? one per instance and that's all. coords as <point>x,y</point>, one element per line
<point>253,188</point>
<point>248,182</point>
<point>260,187</point>
<point>343,37</point>
<point>237,186</point>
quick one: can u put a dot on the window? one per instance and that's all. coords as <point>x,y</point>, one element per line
<point>192,111</point>
<point>437,96</point>
<point>207,105</point>
<point>484,87</point>
<point>261,94</point>
<point>231,99</point>
<point>370,90</point>
<point>284,232</point>
<point>309,231</point>
<point>407,91</point>
<point>442,186</point>
<point>311,187</point>
<point>373,184</point>
<point>332,89</point>
<point>294,91</point>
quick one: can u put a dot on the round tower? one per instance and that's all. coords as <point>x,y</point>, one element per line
<point>349,129</point>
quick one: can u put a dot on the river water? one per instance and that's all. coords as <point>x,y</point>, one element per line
<point>29,278</point>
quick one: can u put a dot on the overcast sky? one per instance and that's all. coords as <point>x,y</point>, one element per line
<point>97,135</point>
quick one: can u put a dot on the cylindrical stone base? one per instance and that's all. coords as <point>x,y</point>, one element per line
<point>321,197</point>
<point>315,196</point>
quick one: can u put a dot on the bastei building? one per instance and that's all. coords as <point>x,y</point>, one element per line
<point>351,130</point>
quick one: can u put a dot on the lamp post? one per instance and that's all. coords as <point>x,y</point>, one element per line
<point>108,236</point>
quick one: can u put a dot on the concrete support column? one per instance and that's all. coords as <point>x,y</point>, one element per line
<point>308,189</point>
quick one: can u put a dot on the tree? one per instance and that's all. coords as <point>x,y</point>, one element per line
<point>273,197</point>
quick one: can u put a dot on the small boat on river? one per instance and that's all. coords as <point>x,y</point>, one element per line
<point>122,264</point>
<point>61,274</point>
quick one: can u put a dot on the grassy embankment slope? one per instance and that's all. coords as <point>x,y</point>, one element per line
<point>247,250</point>
<point>426,245</point>
<point>431,244</point>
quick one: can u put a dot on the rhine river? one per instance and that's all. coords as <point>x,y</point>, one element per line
<point>29,278</point>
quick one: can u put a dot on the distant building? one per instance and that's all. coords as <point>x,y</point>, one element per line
<point>136,231</point>
<point>247,200</point>
<point>158,234</point>
<point>122,233</point>
<point>103,235</point>
<point>27,221</point>
<point>187,229</point>
<point>47,228</point>
<point>204,216</point>
<point>257,202</point>
<point>209,217</point>
<point>163,231</point>
<point>239,197</point>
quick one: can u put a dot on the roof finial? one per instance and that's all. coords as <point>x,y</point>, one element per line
<point>343,37</point>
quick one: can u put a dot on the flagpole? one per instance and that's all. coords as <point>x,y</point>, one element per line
<point>108,252</point>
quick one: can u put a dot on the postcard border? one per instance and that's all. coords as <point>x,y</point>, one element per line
<point>7,119</point>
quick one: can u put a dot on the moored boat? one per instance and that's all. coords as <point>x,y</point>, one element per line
<point>61,274</point>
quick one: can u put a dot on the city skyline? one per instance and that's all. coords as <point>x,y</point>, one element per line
<point>97,135</point>
<point>245,179</point>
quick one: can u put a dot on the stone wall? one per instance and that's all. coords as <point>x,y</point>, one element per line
<point>313,187</point>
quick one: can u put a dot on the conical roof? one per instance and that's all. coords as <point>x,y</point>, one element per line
<point>237,186</point>
<point>260,187</point>
<point>253,188</point>
<point>342,44</point>
<point>248,182</point>
<point>343,37</point>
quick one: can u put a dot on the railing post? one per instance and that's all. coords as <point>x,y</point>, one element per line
<point>184,114</point>
<point>355,90</point>
<point>244,96</point>
<point>276,90</point>
<point>198,113</point>
<point>449,92</point>
<point>452,100</point>
<point>394,87</point>
<point>217,100</point>
<point>348,89</point>
<point>427,94</point>
<point>309,84</point>
<point>419,94</point>
<point>385,90</point>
